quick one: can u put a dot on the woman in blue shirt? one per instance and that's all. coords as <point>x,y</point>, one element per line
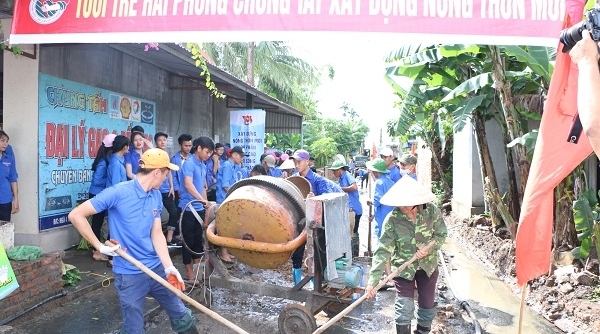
<point>9,194</point>
<point>116,162</point>
<point>132,157</point>
<point>100,167</point>
<point>116,167</point>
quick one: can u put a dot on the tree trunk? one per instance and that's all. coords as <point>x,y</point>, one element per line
<point>510,115</point>
<point>438,167</point>
<point>514,206</point>
<point>250,64</point>
<point>565,235</point>
<point>487,167</point>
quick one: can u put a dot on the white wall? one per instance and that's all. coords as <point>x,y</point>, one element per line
<point>463,172</point>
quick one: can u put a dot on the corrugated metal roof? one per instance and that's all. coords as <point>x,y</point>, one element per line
<point>281,118</point>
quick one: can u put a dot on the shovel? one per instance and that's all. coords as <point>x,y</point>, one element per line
<point>364,297</point>
<point>176,291</point>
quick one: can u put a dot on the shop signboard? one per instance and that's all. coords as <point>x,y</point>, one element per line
<point>73,120</point>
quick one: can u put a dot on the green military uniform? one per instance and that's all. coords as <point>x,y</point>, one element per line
<point>399,241</point>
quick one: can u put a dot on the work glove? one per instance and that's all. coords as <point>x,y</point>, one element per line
<point>110,250</point>
<point>174,277</point>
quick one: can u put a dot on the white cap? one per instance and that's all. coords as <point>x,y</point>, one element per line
<point>386,152</point>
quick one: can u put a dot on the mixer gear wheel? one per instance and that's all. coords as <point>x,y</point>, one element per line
<point>262,181</point>
<point>296,319</point>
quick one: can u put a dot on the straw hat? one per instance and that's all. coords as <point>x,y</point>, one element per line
<point>407,192</point>
<point>288,164</point>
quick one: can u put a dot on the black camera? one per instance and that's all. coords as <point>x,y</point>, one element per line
<point>591,22</point>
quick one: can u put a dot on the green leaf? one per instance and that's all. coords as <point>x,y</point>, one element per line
<point>536,58</point>
<point>458,49</point>
<point>527,140</point>
<point>478,82</point>
<point>462,114</point>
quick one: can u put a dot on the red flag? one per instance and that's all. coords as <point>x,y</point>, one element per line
<point>553,159</point>
<point>373,151</point>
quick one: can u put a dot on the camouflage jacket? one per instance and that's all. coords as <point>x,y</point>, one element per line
<point>401,238</point>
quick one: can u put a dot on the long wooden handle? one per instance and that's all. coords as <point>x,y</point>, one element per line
<point>363,297</point>
<point>176,291</point>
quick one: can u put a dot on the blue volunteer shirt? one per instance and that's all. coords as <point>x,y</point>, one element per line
<point>195,169</point>
<point>382,185</point>
<point>394,174</point>
<point>8,174</point>
<point>275,172</point>
<point>321,185</point>
<point>225,178</point>
<point>362,173</point>
<point>210,164</point>
<point>133,158</point>
<point>131,215</point>
<point>116,170</point>
<point>99,178</point>
<point>346,180</point>
<point>241,173</point>
<point>178,160</point>
<point>9,151</point>
<point>165,187</point>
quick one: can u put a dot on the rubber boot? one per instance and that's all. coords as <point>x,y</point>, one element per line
<point>355,243</point>
<point>191,330</point>
<point>185,325</point>
<point>422,330</point>
<point>424,318</point>
<point>403,329</point>
<point>297,273</point>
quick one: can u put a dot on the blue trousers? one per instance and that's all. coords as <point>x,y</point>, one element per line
<point>132,290</point>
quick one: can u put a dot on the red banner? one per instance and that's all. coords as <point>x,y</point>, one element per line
<point>532,22</point>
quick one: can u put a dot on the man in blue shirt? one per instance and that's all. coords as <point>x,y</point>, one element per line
<point>185,146</point>
<point>212,169</point>
<point>408,165</point>
<point>134,209</point>
<point>382,184</point>
<point>364,175</point>
<point>9,189</point>
<point>348,185</point>
<point>194,179</point>
<point>320,185</point>
<point>388,156</point>
<point>228,173</point>
<point>167,190</point>
<point>269,163</point>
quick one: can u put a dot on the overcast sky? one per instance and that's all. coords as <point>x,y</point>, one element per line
<point>359,68</point>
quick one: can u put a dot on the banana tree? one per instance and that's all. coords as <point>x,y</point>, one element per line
<point>472,92</point>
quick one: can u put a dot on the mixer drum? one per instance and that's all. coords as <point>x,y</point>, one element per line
<point>266,211</point>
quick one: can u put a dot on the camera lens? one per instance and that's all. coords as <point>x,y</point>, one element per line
<point>570,36</point>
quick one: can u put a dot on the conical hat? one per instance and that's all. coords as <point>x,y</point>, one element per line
<point>407,192</point>
<point>288,164</point>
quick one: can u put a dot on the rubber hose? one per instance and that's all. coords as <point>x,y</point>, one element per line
<point>6,321</point>
<point>462,303</point>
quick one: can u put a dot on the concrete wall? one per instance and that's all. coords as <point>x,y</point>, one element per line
<point>466,177</point>
<point>178,111</point>
<point>469,200</point>
<point>20,122</point>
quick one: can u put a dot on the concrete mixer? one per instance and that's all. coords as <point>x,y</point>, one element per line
<point>261,222</point>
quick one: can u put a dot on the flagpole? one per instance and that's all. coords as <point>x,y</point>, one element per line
<point>522,308</point>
